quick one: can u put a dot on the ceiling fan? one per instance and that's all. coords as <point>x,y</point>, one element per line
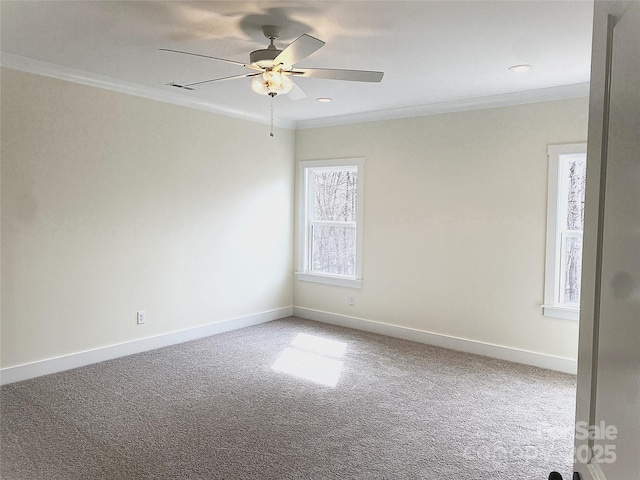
<point>272,69</point>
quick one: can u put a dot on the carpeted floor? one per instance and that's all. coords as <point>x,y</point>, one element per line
<point>290,399</point>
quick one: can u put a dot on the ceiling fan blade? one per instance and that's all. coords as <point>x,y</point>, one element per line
<point>332,74</point>
<point>252,67</point>
<point>300,48</point>
<point>296,93</point>
<point>246,75</point>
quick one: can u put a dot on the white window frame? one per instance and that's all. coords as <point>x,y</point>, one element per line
<point>554,273</point>
<point>304,272</point>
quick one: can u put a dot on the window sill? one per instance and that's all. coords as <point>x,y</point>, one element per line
<point>330,280</point>
<point>555,311</point>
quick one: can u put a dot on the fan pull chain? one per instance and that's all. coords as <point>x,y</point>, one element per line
<point>271,131</point>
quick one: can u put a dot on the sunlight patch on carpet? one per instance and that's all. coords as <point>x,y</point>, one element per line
<point>312,358</point>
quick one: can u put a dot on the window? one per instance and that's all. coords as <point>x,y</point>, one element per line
<point>331,221</point>
<point>565,220</point>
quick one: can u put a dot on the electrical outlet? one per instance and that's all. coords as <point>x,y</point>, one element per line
<point>141,317</point>
<point>352,300</point>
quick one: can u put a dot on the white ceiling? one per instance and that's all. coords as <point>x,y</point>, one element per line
<point>432,53</point>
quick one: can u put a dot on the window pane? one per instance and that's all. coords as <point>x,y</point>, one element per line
<point>333,249</point>
<point>576,170</point>
<point>573,270</point>
<point>335,194</point>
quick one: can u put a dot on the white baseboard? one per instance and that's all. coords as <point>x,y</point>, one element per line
<point>560,364</point>
<point>87,357</point>
<point>66,362</point>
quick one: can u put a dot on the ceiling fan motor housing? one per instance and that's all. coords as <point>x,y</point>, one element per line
<point>264,58</point>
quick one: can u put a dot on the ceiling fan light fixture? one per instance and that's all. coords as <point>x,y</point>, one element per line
<point>272,82</point>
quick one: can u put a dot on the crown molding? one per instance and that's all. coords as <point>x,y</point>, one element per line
<point>579,90</point>
<point>38,67</point>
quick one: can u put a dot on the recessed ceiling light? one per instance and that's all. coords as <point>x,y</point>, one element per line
<point>521,68</point>
<point>324,99</point>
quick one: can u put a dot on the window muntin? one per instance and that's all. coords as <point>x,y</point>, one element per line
<point>565,220</point>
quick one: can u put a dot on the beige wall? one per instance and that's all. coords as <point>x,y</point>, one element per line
<point>454,223</point>
<point>113,203</point>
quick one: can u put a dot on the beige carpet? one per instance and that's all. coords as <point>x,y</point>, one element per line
<point>290,399</point>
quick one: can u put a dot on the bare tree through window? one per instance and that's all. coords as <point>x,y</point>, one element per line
<point>333,222</point>
<point>572,235</point>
